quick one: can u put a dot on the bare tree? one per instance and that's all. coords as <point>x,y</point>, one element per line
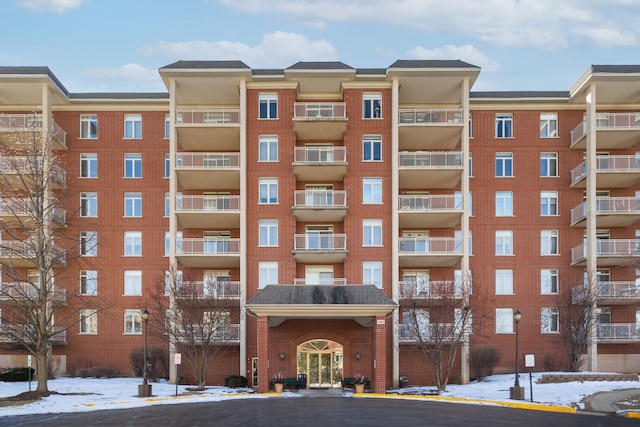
<point>197,319</point>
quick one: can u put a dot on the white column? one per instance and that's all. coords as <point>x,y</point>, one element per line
<point>395,264</point>
<point>464,265</point>
<point>592,349</point>
<point>243,228</point>
<point>173,221</point>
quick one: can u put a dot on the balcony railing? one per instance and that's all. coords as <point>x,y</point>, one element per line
<point>321,281</point>
<point>320,154</point>
<point>620,163</point>
<point>440,332</point>
<point>618,331</point>
<point>15,332</point>
<point>607,121</point>
<point>26,166</point>
<point>202,203</point>
<point>430,245</point>
<point>320,242</point>
<point>445,202</point>
<point>608,247</point>
<point>430,116</point>
<point>319,110</point>
<point>208,246</point>
<point>23,251</point>
<point>17,291</point>
<point>30,122</point>
<point>217,333</point>
<point>209,289</point>
<point>320,199</point>
<point>208,160</point>
<point>608,205</point>
<point>425,159</point>
<point>437,289</point>
<point>208,116</point>
<point>609,289</point>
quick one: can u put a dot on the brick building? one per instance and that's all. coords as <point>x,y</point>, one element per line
<point>326,203</point>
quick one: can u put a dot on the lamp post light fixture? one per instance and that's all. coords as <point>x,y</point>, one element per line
<point>517,392</point>
<point>144,389</point>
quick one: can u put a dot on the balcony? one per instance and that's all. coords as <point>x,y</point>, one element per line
<point>320,205</point>
<point>319,121</point>
<point>618,333</point>
<point>208,211</point>
<point>208,129</point>
<point>409,334</point>
<point>333,281</point>
<point>206,171</point>
<point>16,127</point>
<point>609,252</point>
<point>421,169</point>
<point>15,212</point>
<point>610,293</point>
<point>430,129</point>
<point>20,291</point>
<point>610,212</point>
<point>320,163</point>
<point>18,171</point>
<point>429,251</point>
<point>433,290</point>
<point>19,254</point>
<point>209,290</point>
<point>613,131</point>
<point>223,334</point>
<point>320,248</point>
<point>208,252</point>
<point>612,172</point>
<point>14,333</point>
<point>429,211</point>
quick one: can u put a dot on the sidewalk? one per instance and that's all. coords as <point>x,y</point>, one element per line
<point>605,402</point>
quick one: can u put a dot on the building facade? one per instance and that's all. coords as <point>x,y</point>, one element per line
<point>344,215</point>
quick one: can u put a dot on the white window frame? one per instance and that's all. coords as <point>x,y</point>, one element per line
<point>549,242</point>
<point>504,125</point>
<point>268,186</point>
<point>88,126</point>
<point>88,165</point>
<point>167,126</point>
<point>371,232</point>
<point>88,243</point>
<point>132,322</point>
<point>372,105</point>
<point>504,203</point>
<point>504,320</point>
<point>548,203</point>
<point>504,159</point>
<point>167,165</point>
<point>267,100</point>
<point>88,205</point>
<point>369,144</point>
<point>133,161</point>
<point>549,320</point>
<point>268,148</point>
<point>88,282</point>
<point>268,232</point>
<point>267,273</point>
<point>133,126</point>
<point>549,161</point>
<point>549,281</point>
<point>133,243</point>
<point>504,240</point>
<point>132,283</point>
<point>549,125</point>
<point>88,321</point>
<point>372,191</point>
<point>504,282</point>
<point>372,273</point>
<point>133,205</point>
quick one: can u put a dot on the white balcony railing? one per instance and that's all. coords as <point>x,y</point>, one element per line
<point>209,289</point>
<point>618,331</point>
<point>320,199</point>
<point>436,289</point>
<point>319,110</point>
<point>216,333</point>
<point>320,242</point>
<point>429,159</point>
<point>206,203</point>
<point>440,332</point>
<point>607,121</point>
<point>24,251</point>
<point>430,245</point>
<point>320,154</point>
<point>208,160</point>
<point>430,116</point>
<point>609,289</point>
<point>17,291</point>
<point>30,122</point>
<point>608,247</point>
<point>208,246</point>
<point>208,116</point>
<point>608,205</point>
<point>621,163</point>
<point>26,166</point>
<point>333,281</point>
<point>445,202</point>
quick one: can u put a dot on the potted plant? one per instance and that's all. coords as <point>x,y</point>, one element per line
<point>278,382</point>
<point>358,380</point>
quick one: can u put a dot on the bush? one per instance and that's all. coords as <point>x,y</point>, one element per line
<point>16,374</point>
<point>483,359</point>
<point>234,381</point>
<point>97,372</point>
<point>79,364</point>
<point>157,362</point>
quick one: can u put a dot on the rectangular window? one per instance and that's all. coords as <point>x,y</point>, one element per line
<point>504,321</point>
<point>88,282</point>
<point>167,165</point>
<point>504,165</point>
<point>133,243</point>
<point>504,282</point>
<point>133,205</point>
<point>268,230</point>
<point>89,126</point>
<point>504,125</point>
<point>88,205</point>
<point>167,242</point>
<point>132,126</point>
<point>470,126</point>
<point>268,188</point>
<point>457,236</point>
<point>133,282</point>
<point>268,149</point>
<point>372,149</point>
<point>549,321</point>
<point>133,165</point>
<point>372,106</point>
<point>167,126</point>
<point>372,232</point>
<point>371,190</point>
<point>548,281</point>
<point>549,242</point>
<point>504,203</point>
<point>549,203</point>
<point>89,243</point>
<point>268,105</point>
<point>88,321</point>
<point>132,321</point>
<point>88,165</point>
<point>548,164</point>
<point>268,274</point>
<point>548,125</point>
<point>504,242</point>
<point>372,273</point>
<point>167,204</point>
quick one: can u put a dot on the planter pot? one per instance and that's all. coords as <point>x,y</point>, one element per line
<point>516,393</point>
<point>278,387</point>
<point>144,390</point>
<point>359,388</point>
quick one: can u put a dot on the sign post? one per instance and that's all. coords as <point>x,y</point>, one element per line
<point>530,362</point>
<point>29,370</point>
<point>177,359</point>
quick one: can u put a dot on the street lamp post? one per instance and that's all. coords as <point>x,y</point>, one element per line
<point>517,392</point>
<point>144,389</point>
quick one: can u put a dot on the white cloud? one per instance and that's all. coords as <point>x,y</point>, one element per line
<point>142,77</point>
<point>465,53</point>
<point>274,50</point>
<point>57,6</point>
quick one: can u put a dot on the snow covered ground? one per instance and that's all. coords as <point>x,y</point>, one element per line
<point>87,394</point>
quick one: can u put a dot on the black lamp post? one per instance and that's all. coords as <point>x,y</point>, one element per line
<point>517,392</point>
<point>144,389</point>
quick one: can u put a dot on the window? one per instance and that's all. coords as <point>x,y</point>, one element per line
<point>504,242</point>
<point>167,242</point>
<point>548,164</point>
<point>133,282</point>
<point>167,204</point>
<point>132,321</point>
<point>470,165</point>
<point>415,324</point>
<point>132,205</point>
<point>549,203</point>
<point>504,126</point>
<point>268,229</point>
<point>457,237</point>
<point>504,203</point>
<point>88,321</point>
<point>548,125</point>
<point>167,126</point>
<point>372,105</point>
<point>372,149</point>
<point>89,243</point>
<point>89,126</point>
<point>88,282</point>
<point>371,190</point>
<point>167,165</point>
<point>268,149</point>
<point>470,126</point>
<point>132,126</point>
<point>372,232</point>
<point>504,164</point>
<point>88,205</point>
<point>133,243</point>
<point>268,105</point>
<point>268,190</point>
<point>372,273</point>
<point>133,165</point>
<point>88,165</point>
<point>549,242</point>
<point>268,274</point>
<point>548,281</point>
<point>504,282</point>
<point>549,321</point>
<point>504,321</point>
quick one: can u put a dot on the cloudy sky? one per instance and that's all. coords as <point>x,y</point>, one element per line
<point>118,45</point>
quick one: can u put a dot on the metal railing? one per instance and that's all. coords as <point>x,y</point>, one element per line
<point>334,281</point>
<point>24,251</point>
<point>616,163</point>
<point>608,289</point>
<point>26,290</point>
<point>31,122</point>
<point>428,159</point>
<point>608,247</point>
<point>443,331</point>
<point>223,333</point>
<point>607,205</point>
<point>208,203</point>
<point>320,154</point>
<point>430,245</point>
<point>445,202</point>
<point>208,246</point>
<point>320,242</point>
<point>319,110</point>
<point>26,166</point>
<point>437,289</point>
<point>215,116</point>
<point>209,289</point>
<point>618,331</point>
<point>320,199</point>
<point>208,160</point>
<point>431,115</point>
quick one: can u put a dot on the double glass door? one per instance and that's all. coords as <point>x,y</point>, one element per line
<point>321,362</point>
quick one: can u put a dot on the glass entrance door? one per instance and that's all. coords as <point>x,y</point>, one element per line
<point>321,362</point>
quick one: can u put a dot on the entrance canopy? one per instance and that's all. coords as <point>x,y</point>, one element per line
<point>361,303</point>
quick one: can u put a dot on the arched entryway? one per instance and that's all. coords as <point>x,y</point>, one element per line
<point>321,361</point>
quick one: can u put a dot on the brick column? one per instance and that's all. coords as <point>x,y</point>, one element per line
<point>263,354</point>
<point>379,355</point>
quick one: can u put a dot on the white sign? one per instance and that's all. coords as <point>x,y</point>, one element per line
<point>529,360</point>
<point>29,361</point>
<point>381,322</point>
<point>177,358</point>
